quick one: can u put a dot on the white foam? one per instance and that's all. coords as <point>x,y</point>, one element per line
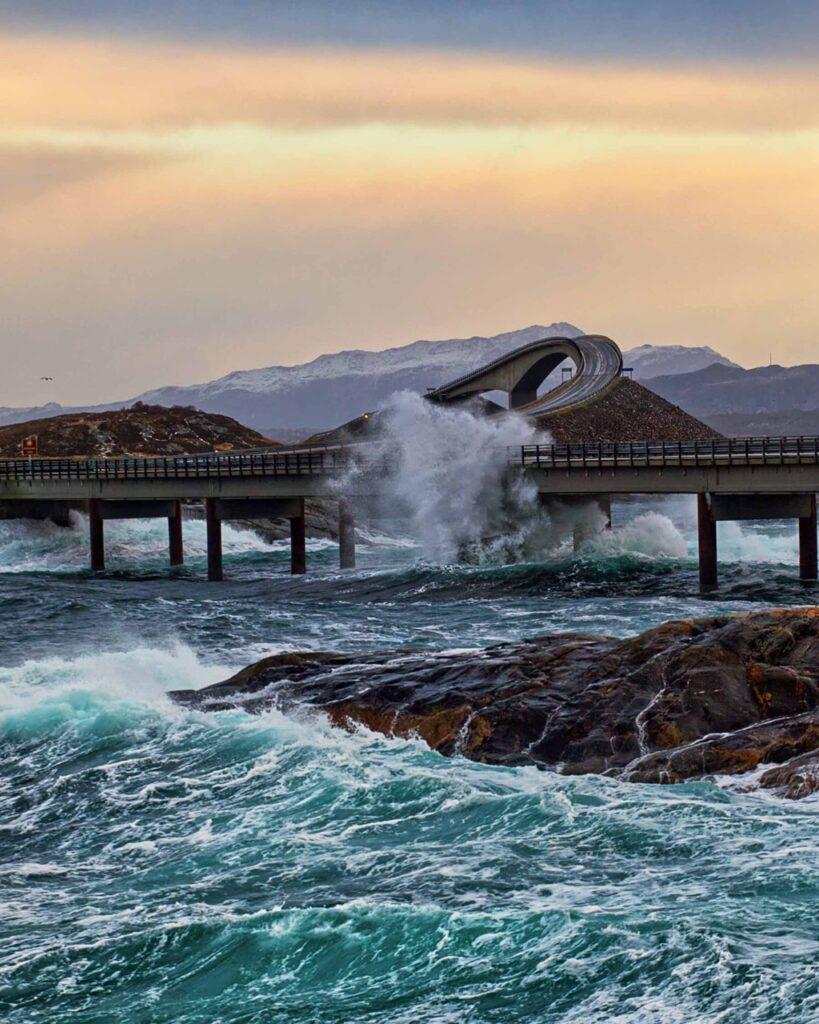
<point>650,534</point>
<point>738,543</point>
<point>31,546</point>
<point>140,675</point>
<point>446,468</point>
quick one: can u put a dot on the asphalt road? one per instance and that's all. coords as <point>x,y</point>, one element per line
<point>598,363</point>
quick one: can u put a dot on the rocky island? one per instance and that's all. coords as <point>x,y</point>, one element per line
<point>717,695</point>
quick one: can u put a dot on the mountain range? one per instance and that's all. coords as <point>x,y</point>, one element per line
<point>286,401</point>
<point>765,400</point>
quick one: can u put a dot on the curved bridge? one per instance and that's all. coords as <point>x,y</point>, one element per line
<point>597,359</point>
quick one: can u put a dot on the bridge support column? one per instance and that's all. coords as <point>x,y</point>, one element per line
<point>298,545</point>
<point>214,532</point>
<point>346,535</point>
<point>96,535</point>
<point>175,549</point>
<point>707,542</point>
<point>807,543</point>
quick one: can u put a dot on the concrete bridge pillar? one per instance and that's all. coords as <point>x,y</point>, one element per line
<point>346,535</point>
<point>578,514</point>
<point>214,534</point>
<point>707,542</point>
<point>175,548</point>
<point>807,543</point>
<point>298,542</point>
<point>96,535</point>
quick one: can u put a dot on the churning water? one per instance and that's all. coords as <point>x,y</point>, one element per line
<point>164,865</point>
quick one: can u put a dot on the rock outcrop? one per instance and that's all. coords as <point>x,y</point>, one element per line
<point>626,412</point>
<point>684,700</point>
<point>140,430</point>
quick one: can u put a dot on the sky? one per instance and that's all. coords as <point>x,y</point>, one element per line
<point>192,187</point>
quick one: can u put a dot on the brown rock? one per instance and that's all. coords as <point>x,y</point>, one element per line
<point>794,779</point>
<point>139,430</point>
<point>687,699</point>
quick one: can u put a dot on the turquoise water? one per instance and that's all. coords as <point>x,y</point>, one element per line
<point>161,865</point>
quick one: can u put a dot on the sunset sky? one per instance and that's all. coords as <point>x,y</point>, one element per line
<point>191,187</point>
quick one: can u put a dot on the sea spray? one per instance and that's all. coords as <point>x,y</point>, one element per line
<point>775,544</point>
<point>445,470</point>
<point>41,546</point>
<point>649,533</point>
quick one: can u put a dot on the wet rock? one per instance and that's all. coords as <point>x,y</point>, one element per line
<point>794,779</point>
<point>687,699</point>
<point>320,515</point>
<point>320,520</point>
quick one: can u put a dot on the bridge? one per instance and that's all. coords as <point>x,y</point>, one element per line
<point>755,478</point>
<point>520,373</point>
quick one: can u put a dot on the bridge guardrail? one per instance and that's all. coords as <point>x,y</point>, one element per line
<point>332,460</point>
<point>181,467</point>
<point>767,451</point>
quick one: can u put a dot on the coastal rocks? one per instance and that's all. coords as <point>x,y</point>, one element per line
<point>321,522</point>
<point>795,779</point>
<point>687,699</point>
<point>140,430</point>
<point>626,412</point>
<point>320,514</point>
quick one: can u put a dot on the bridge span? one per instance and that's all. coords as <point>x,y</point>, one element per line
<point>597,360</point>
<point>762,478</point>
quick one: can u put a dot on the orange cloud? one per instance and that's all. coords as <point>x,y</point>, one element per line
<point>110,84</point>
<point>197,210</point>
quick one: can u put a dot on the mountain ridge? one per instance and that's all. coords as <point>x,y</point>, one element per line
<point>335,387</point>
<point>723,390</point>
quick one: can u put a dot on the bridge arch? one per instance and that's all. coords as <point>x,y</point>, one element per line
<point>597,359</point>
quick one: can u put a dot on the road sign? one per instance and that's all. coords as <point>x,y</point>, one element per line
<point>28,446</point>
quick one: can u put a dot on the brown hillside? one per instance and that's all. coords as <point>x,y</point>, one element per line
<point>627,412</point>
<point>140,430</point>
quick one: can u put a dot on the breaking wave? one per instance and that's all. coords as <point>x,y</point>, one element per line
<point>444,469</point>
<point>649,533</point>
<point>225,867</point>
<point>41,546</point>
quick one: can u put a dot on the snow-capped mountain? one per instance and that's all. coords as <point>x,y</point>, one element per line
<point>337,387</point>
<point>665,360</point>
<point>437,360</point>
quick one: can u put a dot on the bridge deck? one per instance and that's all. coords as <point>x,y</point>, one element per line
<point>769,451</point>
<point>787,467</point>
<point>311,460</point>
<point>750,465</point>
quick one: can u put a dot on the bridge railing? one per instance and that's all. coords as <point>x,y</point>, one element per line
<point>332,460</point>
<point>307,462</point>
<point>741,451</point>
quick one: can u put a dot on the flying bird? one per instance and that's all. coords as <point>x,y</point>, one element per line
<point>46,378</point>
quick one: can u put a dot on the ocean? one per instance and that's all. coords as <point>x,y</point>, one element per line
<point>166,865</point>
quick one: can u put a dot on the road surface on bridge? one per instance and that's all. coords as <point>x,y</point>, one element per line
<point>597,360</point>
